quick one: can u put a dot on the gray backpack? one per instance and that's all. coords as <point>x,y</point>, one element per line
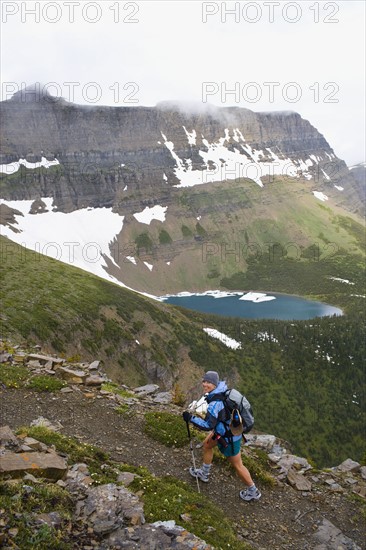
<point>233,401</point>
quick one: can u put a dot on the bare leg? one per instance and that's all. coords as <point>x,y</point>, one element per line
<point>240,469</point>
<point>208,446</point>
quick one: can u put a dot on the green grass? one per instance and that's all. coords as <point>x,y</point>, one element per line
<point>122,409</point>
<point>45,383</point>
<point>168,498</point>
<point>114,388</point>
<point>167,428</point>
<point>13,376</point>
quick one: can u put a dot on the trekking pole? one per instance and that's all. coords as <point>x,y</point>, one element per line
<point>193,457</point>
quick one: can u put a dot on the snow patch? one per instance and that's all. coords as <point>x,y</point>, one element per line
<point>13,167</point>
<point>221,164</point>
<point>149,214</point>
<point>257,297</point>
<point>325,174</point>
<point>212,293</point>
<point>149,266</point>
<point>341,280</point>
<point>319,195</point>
<point>191,136</point>
<point>81,238</point>
<point>229,342</point>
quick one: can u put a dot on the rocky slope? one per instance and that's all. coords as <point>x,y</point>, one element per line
<point>304,509</point>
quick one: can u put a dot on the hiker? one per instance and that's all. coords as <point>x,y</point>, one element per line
<point>220,435</point>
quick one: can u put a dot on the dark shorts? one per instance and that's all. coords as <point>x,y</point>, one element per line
<point>231,449</point>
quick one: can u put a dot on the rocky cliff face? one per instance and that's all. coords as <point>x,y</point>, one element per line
<point>101,150</point>
<point>200,166</point>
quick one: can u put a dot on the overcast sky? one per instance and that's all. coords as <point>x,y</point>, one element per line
<point>303,56</point>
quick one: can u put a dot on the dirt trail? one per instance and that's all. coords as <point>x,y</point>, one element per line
<point>283,519</point>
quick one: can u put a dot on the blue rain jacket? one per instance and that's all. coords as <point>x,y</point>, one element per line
<point>210,422</point>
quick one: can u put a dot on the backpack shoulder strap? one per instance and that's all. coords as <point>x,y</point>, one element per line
<point>216,397</point>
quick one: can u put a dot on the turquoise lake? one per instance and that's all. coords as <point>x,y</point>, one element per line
<point>265,306</point>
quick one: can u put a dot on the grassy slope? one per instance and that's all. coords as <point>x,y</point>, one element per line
<point>75,313</point>
<point>301,383</point>
<point>237,219</point>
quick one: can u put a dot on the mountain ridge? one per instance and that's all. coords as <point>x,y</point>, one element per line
<point>227,175</point>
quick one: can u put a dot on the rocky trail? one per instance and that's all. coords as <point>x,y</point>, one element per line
<point>284,518</point>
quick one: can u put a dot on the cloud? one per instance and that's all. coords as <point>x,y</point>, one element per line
<point>313,66</point>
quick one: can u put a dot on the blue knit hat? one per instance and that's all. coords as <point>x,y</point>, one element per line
<point>212,377</point>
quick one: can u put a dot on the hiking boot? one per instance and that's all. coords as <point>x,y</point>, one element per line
<point>198,473</point>
<point>248,495</point>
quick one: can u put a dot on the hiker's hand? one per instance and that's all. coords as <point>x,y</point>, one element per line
<point>186,416</point>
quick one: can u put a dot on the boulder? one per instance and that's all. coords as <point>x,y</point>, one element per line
<point>49,465</point>
<point>126,478</point>
<point>298,481</point>
<point>288,461</point>
<point>46,359</point>
<point>94,380</point>
<point>72,376</point>
<point>34,445</point>
<point>146,390</point>
<point>163,535</point>
<point>329,537</point>
<point>349,465</point>
<point>7,437</point>
<point>108,507</point>
<point>78,477</point>
<point>264,441</point>
<point>163,398</point>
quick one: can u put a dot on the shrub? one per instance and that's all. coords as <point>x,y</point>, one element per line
<point>164,237</point>
<point>143,241</point>
<point>186,232</point>
<point>45,383</point>
<point>200,230</point>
